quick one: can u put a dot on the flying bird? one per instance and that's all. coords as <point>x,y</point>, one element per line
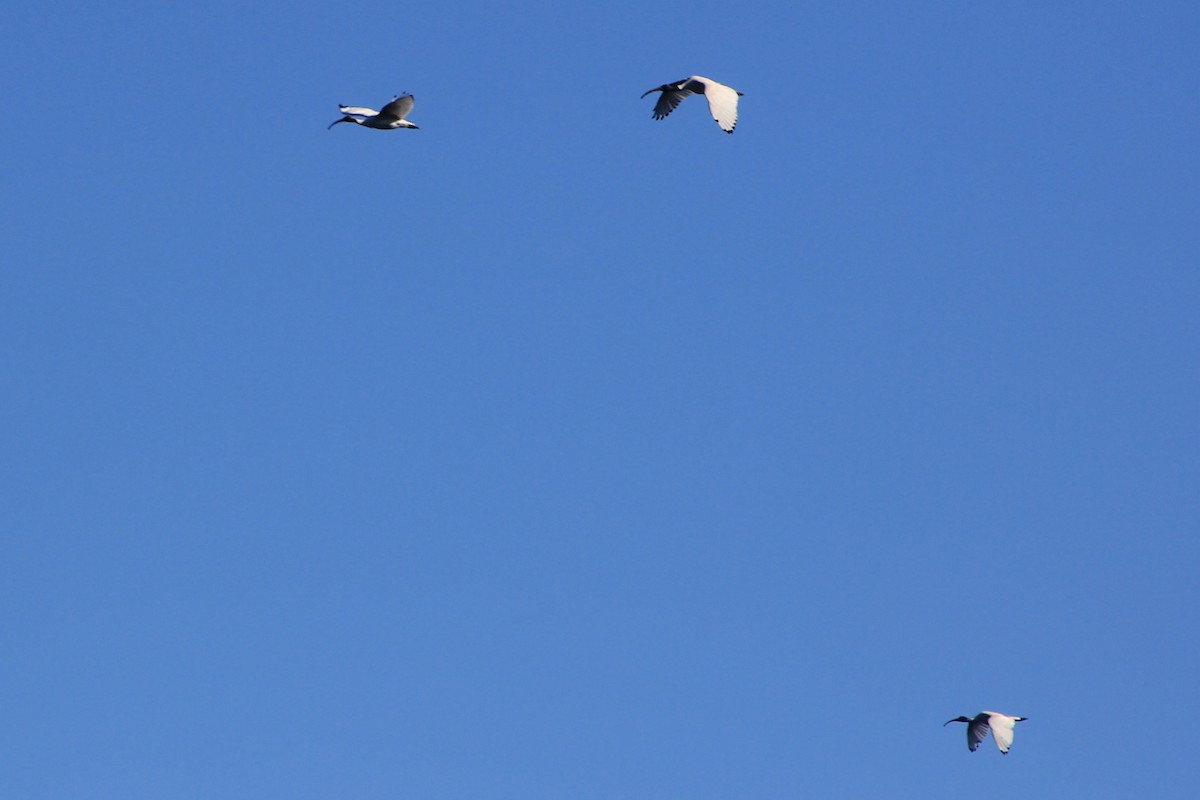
<point>722,100</point>
<point>387,118</point>
<point>1001,726</point>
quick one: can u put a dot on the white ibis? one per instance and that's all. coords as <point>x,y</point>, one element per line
<point>722,100</point>
<point>1001,726</point>
<point>388,118</point>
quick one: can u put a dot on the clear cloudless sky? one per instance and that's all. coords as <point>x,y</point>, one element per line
<point>549,451</point>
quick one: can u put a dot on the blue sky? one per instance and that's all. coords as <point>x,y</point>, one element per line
<point>553,452</point>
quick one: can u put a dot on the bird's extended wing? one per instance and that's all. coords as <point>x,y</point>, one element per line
<point>358,111</point>
<point>722,104</point>
<point>672,95</point>
<point>398,108</point>
<point>1002,729</point>
<point>977,731</point>
<point>668,102</point>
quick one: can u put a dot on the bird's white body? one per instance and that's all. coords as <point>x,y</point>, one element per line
<point>722,100</point>
<point>388,118</point>
<point>1001,726</point>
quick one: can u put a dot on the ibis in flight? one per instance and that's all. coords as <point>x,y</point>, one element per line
<point>722,100</point>
<point>388,118</point>
<point>1001,726</point>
